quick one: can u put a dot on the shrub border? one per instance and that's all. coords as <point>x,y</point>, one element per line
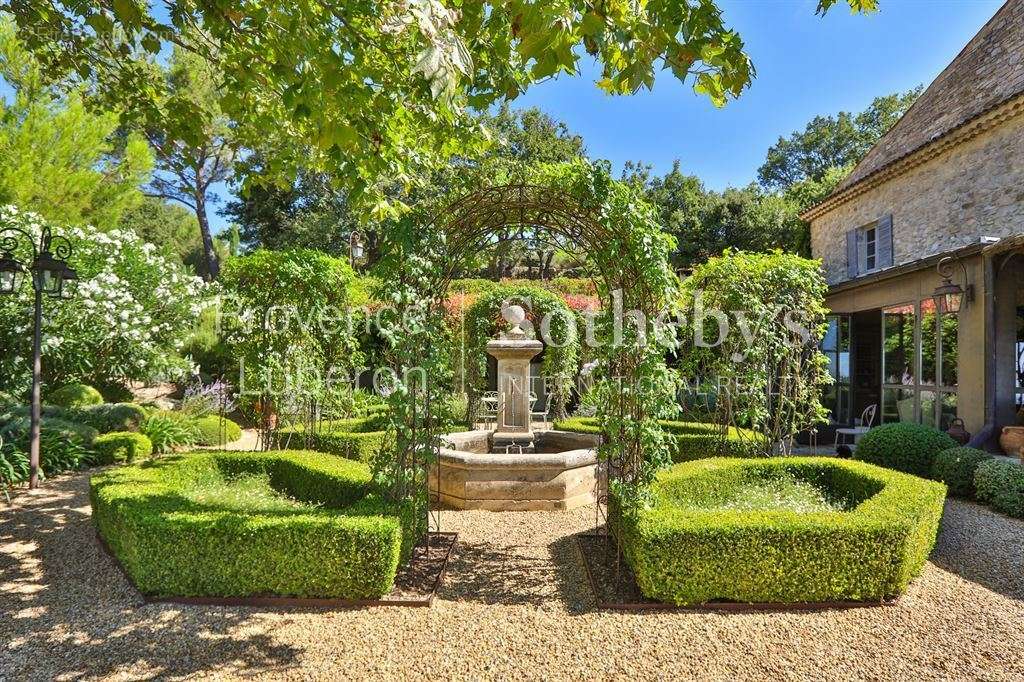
<point>653,606</point>
<point>300,602</point>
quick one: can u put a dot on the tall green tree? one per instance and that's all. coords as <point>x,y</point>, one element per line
<point>58,158</point>
<point>377,92</point>
<point>706,223</point>
<point>829,142</point>
<point>193,141</point>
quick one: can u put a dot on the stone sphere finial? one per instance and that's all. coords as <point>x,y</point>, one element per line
<point>515,316</point>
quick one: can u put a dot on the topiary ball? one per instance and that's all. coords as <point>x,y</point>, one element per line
<point>121,446</point>
<point>209,429</point>
<point>76,395</point>
<point>956,466</point>
<point>903,446</point>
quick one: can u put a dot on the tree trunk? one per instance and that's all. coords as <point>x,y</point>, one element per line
<point>209,253</point>
<point>549,256</point>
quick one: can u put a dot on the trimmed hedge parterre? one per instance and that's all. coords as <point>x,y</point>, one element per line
<point>903,446</point>
<point>361,438</point>
<point>339,543</point>
<point>692,440</point>
<point>870,552</point>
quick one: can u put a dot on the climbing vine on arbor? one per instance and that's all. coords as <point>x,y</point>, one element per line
<point>628,253</point>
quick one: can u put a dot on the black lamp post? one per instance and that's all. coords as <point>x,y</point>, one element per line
<point>49,270</point>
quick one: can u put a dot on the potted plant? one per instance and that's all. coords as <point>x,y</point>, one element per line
<point>1011,439</point>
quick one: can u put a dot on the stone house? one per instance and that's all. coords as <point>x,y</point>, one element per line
<point>943,190</point>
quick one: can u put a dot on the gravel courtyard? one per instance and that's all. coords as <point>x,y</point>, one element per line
<point>515,605</point>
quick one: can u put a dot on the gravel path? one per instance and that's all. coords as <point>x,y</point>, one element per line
<point>516,606</point>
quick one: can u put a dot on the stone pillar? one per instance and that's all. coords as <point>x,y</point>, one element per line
<point>513,353</point>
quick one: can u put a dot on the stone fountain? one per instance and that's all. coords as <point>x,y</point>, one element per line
<point>514,468</point>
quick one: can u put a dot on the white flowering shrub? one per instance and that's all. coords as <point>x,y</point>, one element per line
<point>125,319</point>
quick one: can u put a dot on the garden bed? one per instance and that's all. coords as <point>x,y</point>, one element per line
<point>782,530</point>
<point>248,525</point>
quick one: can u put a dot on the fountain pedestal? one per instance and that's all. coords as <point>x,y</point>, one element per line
<point>513,353</point>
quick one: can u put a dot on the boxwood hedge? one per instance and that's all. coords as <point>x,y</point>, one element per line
<point>691,556</point>
<point>956,466</point>
<point>903,446</point>
<point>1000,484</point>
<point>692,440</point>
<point>361,438</point>
<point>121,446</point>
<point>348,546</point>
<point>213,430</point>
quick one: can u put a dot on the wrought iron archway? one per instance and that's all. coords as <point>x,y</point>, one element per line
<point>467,224</point>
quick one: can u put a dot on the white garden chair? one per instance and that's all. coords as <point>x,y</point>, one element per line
<point>489,407</point>
<point>860,427</point>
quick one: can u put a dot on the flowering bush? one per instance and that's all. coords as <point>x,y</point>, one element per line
<point>126,318</point>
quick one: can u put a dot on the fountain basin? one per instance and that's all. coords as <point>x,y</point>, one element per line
<point>561,472</point>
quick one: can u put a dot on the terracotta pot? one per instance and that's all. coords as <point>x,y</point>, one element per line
<point>1012,439</point>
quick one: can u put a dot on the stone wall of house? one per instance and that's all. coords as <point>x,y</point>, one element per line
<point>973,190</point>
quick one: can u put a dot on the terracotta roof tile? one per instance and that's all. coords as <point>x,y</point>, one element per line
<point>987,72</point>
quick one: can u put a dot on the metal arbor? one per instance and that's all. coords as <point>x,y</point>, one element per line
<point>621,259</point>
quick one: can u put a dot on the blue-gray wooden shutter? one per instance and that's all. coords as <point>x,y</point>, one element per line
<point>851,254</point>
<point>883,241</point>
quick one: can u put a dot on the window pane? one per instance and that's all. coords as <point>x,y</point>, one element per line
<point>948,410</point>
<point>832,335</point>
<point>950,326</point>
<point>1020,338</point>
<point>898,357</point>
<point>897,405</point>
<point>928,408</point>
<point>929,342</point>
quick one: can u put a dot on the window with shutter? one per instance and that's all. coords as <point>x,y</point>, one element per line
<point>851,254</point>
<point>883,230</point>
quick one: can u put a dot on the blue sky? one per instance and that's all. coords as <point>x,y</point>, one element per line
<point>806,65</point>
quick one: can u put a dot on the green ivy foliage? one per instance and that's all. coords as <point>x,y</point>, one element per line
<point>685,555</point>
<point>903,446</point>
<point>767,364</point>
<point>287,322</point>
<point>548,316</point>
<point>336,542</point>
<point>628,252</point>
